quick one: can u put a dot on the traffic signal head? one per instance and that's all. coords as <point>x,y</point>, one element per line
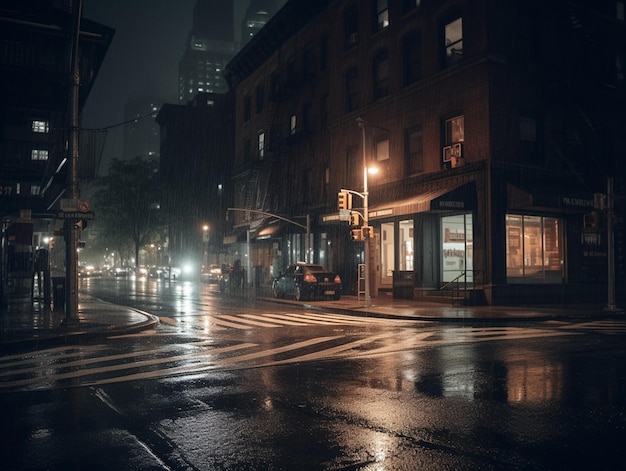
<point>357,234</point>
<point>355,219</point>
<point>368,232</point>
<point>344,200</point>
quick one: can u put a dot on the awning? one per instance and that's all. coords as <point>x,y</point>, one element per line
<point>458,198</point>
<point>564,199</point>
<point>269,231</point>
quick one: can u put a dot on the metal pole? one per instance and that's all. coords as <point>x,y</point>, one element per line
<point>611,306</point>
<point>365,228</point>
<point>309,254</point>
<point>72,231</point>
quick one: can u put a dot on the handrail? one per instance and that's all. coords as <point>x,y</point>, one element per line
<point>457,283</point>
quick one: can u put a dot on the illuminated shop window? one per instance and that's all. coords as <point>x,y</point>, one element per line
<point>534,249</point>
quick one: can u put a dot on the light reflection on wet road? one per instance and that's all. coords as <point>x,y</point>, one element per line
<point>283,390</point>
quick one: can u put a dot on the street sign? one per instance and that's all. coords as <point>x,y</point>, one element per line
<point>75,215</point>
<point>68,204</point>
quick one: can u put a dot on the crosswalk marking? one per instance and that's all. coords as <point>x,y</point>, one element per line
<point>91,365</point>
<point>610,326</point>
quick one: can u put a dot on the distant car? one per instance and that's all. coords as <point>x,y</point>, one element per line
<point>212,274</point>
<point>307,281</point>
<point>119,272</point>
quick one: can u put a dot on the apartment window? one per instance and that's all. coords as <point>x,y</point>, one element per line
<point>40,126</point>
<point>35,190</point>
<point>381,147</point>
<point>411,58</point>
<point>247,108</point>
<point>454,130</point>
<point>259,98</point>
<point>352,89</point>
<point>381,14</point>
<point>351,26</point>
<point>413,150</point>
<point>380,71</point>
<point>529,141</point>
<point>38,154</point>
<point>261,145</point>
<point>409,5</point>
<point>453,41</point>
<point>534,249</point>
<point>293,122</point>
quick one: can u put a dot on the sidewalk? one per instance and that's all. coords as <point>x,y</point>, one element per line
<point>23,323</point>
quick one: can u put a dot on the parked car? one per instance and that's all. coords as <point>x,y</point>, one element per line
<point>307,281</point>
<point>211,274</point>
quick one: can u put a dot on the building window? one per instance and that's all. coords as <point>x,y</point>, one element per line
<point>534,249</point>
<point>352,90</point>
<point>35,190</point>
<point>454,130</point>
<point>409,5</point>
<point>261,145</point>
<point>453,41</point>
<point>308,66</point>
<point>411,58</point>
<point>293,122</point>
<point>247,108</point>
<point>351,26</point>
<point>39,154</point>
<point>529,143</point>
<point>380,66</point>
<point>413,150</point>
<point>381,14</point>
<point>619,10</point>
<point>259,98</point>
<point>381,147</point>
<point>41,126</point>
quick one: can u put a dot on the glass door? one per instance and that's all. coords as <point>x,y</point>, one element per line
<point>457,248</point>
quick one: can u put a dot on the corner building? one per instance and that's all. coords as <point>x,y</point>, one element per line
<point>495,128</point>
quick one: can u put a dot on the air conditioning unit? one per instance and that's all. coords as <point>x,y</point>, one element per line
<point>453,151</point>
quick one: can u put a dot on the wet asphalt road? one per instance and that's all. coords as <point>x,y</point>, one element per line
<point>223,384</point>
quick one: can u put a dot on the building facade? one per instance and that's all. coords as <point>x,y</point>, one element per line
<point>495,126</point>
<point>35,46</point>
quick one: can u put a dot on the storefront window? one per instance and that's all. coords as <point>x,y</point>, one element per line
<point>534,249</point>
<point>406,245</point>
<point>457,248</point>
<point>387,259</point>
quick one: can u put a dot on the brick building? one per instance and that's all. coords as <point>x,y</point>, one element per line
<point>495,127</point>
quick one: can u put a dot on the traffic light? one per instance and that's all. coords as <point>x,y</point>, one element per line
<point>344,200</point>
<point>355,219</point>
<point>357,234</point>
<point>368,232</point>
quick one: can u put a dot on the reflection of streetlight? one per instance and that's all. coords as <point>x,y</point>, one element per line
<point>205,244</point>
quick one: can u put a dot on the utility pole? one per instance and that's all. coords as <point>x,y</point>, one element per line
<point>368,298</point>
<point>71,228</point>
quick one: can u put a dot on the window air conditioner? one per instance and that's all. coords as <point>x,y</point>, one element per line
<point>454,151</point>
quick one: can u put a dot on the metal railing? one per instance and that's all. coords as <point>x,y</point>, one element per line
<point>460,287</point>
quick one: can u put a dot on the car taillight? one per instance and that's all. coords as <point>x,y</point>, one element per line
<point>337,279</point>
<point>310,278</point>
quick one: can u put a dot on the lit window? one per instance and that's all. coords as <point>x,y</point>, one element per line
<point>453,34</point>
<point>35,190</point>
<point>39,154</point>
<point>292,124</point>
<point>382,14</point>
<point>261,145</point>
<point>455,130</point>
<point>534,249</point>
<point>40,126</point>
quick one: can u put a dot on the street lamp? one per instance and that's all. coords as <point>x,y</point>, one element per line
<point>205,244</point>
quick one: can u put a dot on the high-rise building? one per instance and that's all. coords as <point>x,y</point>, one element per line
<point>141,133</point>
<point>210,46</point>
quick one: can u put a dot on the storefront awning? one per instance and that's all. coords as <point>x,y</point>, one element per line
<point>458,198</point>
<point>563,199</point>
<point>269,231</point>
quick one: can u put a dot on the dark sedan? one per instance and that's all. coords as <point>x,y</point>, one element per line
<point>307,281</point>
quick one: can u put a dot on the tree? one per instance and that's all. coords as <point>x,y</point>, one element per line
<point>127,204</point>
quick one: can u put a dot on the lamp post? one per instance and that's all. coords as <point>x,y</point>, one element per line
<point>205,245</point>
<point>368,299</point>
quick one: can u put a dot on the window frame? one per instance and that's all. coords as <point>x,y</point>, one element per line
<point>449,56</point>
<point>380,74</point>
<point>351,26</point>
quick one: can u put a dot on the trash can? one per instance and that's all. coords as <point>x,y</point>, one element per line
<point>58,293</point>
<point>403,284</point>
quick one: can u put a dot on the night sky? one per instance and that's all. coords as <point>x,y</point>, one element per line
<point>150,37</point>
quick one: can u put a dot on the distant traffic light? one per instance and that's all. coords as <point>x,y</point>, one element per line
<point>368,232</point>
<point>355,219</point>
<point>357,234</point>
<point>344,200</point>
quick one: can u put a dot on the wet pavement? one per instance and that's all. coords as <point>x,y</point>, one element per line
<point>32,322</point>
